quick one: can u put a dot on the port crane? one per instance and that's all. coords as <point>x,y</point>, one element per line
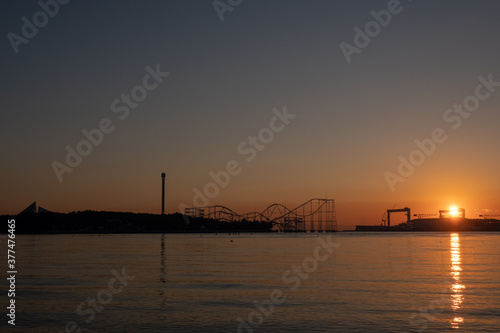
<point>405,210</point>
<point>385,213</point>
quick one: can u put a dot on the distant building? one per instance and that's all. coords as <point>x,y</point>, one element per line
<point>34,209</point>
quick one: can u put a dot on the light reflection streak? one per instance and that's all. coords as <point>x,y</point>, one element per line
<point>457,286</point>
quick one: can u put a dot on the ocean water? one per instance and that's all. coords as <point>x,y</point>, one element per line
<point>344,282</point>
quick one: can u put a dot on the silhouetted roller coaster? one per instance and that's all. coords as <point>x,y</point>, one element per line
<point>313,215</point>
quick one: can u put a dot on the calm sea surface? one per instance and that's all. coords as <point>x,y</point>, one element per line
<point>345,282</point>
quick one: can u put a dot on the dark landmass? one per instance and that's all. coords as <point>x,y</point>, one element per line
<point>121,222</point>
<point>438,224</point>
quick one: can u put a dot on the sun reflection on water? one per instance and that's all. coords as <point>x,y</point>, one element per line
<point>457,286</point>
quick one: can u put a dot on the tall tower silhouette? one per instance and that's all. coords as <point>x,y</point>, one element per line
<point>163,193</point>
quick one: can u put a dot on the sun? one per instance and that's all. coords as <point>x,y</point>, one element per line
<point>453,211</point>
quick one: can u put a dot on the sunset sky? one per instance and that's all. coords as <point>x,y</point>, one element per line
<point>353,120</point>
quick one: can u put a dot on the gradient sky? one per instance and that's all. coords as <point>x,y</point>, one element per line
<point>353,120</point>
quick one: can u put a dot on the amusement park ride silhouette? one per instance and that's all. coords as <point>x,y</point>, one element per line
<point>314,215</point>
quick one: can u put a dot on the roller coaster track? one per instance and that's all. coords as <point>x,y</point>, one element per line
<point>313,215</point>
